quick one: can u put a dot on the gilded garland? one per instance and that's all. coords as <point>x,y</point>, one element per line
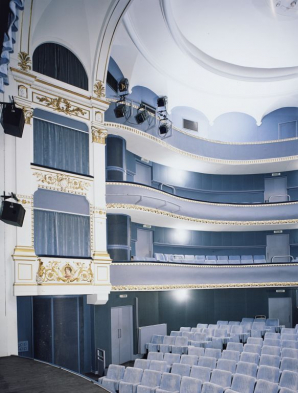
<point>62,105</point>
<point>67,273</point>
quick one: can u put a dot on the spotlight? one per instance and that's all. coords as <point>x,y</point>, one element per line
<point>162,102</point>
<point>123,85</point>
<point>293,3</point>
<point>164,128</point>
<point>120,110</point>
<point>142,115</point>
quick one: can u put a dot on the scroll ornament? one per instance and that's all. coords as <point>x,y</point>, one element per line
<point>65,273</point>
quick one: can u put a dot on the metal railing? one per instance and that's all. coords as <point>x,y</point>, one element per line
<point>283,256</point>
<point>283,195</point>
<point>169,186</point>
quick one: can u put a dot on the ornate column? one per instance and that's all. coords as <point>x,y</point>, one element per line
<point>101,258</point>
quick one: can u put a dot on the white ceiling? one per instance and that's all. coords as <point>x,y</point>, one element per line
<point>214,56</point>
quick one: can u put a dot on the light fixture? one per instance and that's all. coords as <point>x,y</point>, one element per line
<point>142,115</point>
<point>181,294</point>
<point>164,127</point>
<point>162,102</point>
<point>123,85</point>
<point>120,110</point>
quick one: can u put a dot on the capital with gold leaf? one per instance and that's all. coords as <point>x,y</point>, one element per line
<point>99,135</point>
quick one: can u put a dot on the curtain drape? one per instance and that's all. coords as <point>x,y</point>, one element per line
<point>60,63</point>
<point>61,234</point>
<point>61,147</point>
<point>11,27</point>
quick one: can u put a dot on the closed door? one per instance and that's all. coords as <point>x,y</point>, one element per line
<point>276,189</point>
<point>143,174</point>
<point>144,243</point>
<point>122,334</point>
<point>278,246</point>
<point>281,308</point>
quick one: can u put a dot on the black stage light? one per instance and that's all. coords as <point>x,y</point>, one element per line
<point>123,85</point>
<point>162,102</point>
<point>12,120</point>
<point>120,110</point>
<point>141,116</point>
<point>164,128</point>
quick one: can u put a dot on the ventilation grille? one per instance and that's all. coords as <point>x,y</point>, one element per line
<point>190,125</point>
<point>112,82</point>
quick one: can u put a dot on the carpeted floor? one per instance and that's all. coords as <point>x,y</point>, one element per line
<point>21,375</point>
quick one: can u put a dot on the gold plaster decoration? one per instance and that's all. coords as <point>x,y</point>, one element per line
<point>28,113</point>
<point>99,89</point>
<point>62,105</point>
<point>201,202</point>
<point>62,182</point>
<point>198,220</point>
<point>202,286</point>
<point>99,211</point>
<point>99,135</point>
<point>194,156</point>
<point>65,272</point>
<point>25,199</point>
<point>22,91</point>
<point>24,61</point>
<point>91,208</point>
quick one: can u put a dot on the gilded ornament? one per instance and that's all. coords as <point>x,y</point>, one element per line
<point>66,273</point>
<point>63,182</point>
<point>62,105</point>
<point>28,113</point>
<point>24,61</point>
<point>99,135</point>
<point>99,89</point>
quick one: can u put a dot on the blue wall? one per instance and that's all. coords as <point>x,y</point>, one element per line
<point>185,242</point>
<point>228,127</point>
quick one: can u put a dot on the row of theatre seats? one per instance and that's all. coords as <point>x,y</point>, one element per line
<point>259,366</point>
<point>210,259</point>
<point>215,335</point>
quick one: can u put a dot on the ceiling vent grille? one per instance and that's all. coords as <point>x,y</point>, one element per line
<point>190,125</point>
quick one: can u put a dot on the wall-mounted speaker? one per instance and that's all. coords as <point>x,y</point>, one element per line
<point>12,120</point>
<point>12,213</point>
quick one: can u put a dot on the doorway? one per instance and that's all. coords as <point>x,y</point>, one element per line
<point>143,174</point>
<point>276,189</point>
<point>122,334</point>
<point>281,308</point>
<point>278,245</point>
<point>144,243</point>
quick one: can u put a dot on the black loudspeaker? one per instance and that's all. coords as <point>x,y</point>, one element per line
<point>12,213</point>
<point>12,120</point>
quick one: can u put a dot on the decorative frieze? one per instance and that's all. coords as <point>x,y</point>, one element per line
<point>69,272</point>
<point>62,105</point>
<point>62,182</point>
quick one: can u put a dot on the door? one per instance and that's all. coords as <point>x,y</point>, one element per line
<point>143,174</point>
<point>144,243</point>
<point>281,308</point>
<point>276,189</point>
<point>278,245</point>
<point>122,334</point>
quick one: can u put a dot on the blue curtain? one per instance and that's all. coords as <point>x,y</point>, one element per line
<point>60,147</point>
<point>9,40</point>
<point>60,63</point>
<point>61,234</point>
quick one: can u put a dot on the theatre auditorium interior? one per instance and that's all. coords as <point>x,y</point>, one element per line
<point>149,196</point>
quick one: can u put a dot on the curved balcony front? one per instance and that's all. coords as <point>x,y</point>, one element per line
<point>184,151</point>
<point>147,205</point>
<point>162,276</point>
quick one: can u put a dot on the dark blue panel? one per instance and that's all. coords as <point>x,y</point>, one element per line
<point>42,327</point>
<point>62,120</point>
